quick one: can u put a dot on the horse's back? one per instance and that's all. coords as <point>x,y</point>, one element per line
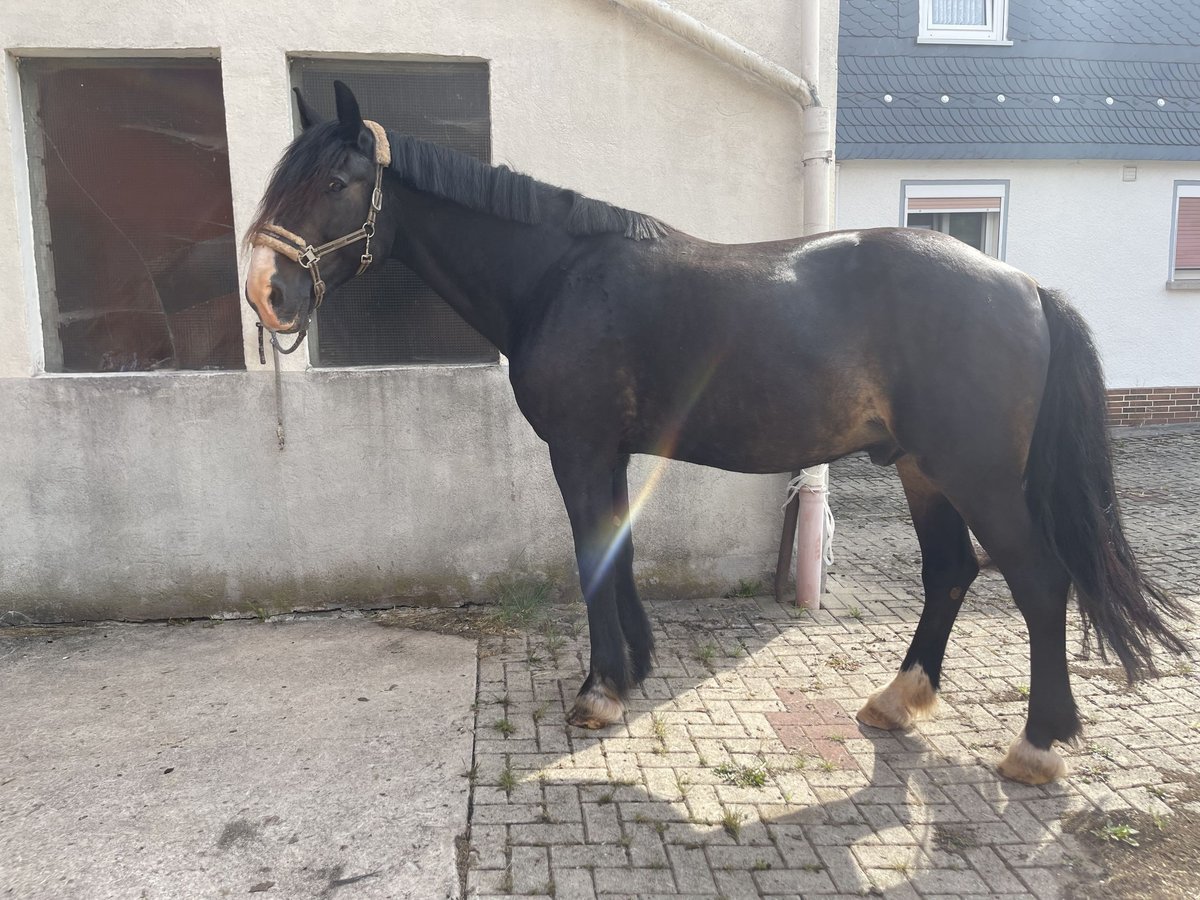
<point>762,357</point>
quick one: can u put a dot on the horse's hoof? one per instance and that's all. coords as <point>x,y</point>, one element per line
<point>597,707</point>
<point>1031,765</point>
<point>910,696</point>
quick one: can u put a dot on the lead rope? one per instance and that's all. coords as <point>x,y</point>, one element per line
<point>280,435</point>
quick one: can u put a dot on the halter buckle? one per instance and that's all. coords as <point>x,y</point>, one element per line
<point>377,199</point>
<point>308,257</point>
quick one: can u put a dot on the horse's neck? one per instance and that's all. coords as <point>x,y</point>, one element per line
<point>485,267</point>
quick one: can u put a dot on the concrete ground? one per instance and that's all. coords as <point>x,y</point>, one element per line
<point>308,759</point>
<point>740,771</point>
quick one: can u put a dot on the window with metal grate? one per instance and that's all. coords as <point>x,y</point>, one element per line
<point>132,214</point>
<point>391,317</point>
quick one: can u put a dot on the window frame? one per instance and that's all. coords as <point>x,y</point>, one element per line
<point>995,33</point>
<point>1182,189</point>
<point>995,231</point>
<point>296,62</point>
<point>33,232</point>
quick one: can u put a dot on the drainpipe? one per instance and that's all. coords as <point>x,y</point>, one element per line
<point>728,51</point>
<point>807,510</point>
<point>814,527</point>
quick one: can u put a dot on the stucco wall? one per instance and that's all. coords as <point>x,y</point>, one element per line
<point>1075,226</point>
<point>164,494</point>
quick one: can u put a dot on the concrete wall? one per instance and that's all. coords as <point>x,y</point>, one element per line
<point>165,494</point>
<point>1075,226</point>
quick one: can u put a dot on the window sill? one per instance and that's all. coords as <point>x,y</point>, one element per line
<point>1185,284</point>
<point>404,367</point>
<point>979,42</point>
<point>143,373</point>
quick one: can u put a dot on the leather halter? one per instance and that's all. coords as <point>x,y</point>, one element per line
<point>298,250</point>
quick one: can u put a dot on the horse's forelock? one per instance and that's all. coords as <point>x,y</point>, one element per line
<point>300,176</point>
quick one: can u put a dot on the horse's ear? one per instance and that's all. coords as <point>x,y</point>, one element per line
<point>308,118</point>
<point>347,110</point>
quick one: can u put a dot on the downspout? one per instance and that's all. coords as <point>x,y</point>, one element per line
<point>814,527</point>
<point>807,510</point>
<point>728,51</point>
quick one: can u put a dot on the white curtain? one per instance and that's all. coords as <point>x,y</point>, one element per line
<point>960,12</point>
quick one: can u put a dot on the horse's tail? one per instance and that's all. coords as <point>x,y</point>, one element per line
<point>1070,491</point>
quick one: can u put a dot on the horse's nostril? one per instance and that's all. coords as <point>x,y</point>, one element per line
<point>276,297</point>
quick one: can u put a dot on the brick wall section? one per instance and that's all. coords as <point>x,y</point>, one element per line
<point>1154,406</point>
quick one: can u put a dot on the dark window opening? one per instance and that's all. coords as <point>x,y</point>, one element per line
<point>973,228</point>
<point>133,215</point>
<point>390,316</point>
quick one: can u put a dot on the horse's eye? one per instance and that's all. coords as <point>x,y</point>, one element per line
<point>335,186</point>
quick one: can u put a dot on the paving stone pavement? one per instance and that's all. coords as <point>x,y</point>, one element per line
<point>739,771</point>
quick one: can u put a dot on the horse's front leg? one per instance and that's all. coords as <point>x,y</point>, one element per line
<point>586,481</point>
<point>634,624</point>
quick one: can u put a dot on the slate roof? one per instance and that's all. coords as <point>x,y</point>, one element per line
<point>1082,50</point>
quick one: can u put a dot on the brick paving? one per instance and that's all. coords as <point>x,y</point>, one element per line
<point>740,772</point>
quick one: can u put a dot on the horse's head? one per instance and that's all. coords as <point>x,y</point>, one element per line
<point>318,224</point>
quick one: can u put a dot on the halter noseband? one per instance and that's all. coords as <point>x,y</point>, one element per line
<point>300,251</point>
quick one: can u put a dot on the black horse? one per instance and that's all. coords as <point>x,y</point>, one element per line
<point>626,336</point>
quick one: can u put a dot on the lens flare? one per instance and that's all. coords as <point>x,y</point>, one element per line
<point>664,449</point>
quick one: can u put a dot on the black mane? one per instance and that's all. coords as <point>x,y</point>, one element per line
<point>301,175</point>
<point>500,191</point>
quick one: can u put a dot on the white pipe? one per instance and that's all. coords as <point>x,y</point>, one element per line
<point>817,159</point>
<point>727,50</point>
<point>817,143</point>
<point>814,533</point>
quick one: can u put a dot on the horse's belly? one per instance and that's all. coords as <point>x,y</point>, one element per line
<point>761,433</point>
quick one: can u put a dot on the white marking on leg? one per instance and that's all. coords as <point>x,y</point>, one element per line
<point>597,708</point>
<point>910,696</point>
<point>1031,765</point>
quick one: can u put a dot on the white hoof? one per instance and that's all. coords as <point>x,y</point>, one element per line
<point>909,697</point>
<point>1031,765</point>
<point>596,708</point>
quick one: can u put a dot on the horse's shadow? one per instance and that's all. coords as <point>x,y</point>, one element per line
<point>739,770</point>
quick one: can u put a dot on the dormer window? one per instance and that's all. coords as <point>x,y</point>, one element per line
<point>964,22</point>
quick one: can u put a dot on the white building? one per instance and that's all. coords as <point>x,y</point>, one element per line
<point>141,472</point>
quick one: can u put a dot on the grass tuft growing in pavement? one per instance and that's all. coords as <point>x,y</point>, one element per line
<point>522,602</point>
<point>742,776</point>
<point>732,823</point>
<point>1120,832</point>
<point>508,778</point>
<point>746,587</point>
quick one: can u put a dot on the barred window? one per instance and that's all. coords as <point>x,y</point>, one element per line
<point>389,316</point>
<point>133,215</point>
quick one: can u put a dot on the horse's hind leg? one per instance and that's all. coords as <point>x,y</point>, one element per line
<point>634,624</point>
<point>1040,586</point>
<point>586,482</point>
<point>948,566</point>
